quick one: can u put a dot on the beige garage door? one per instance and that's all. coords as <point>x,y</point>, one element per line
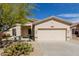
<point>51,35</point>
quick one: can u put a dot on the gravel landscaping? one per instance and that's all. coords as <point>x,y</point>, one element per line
<point>36,52</point>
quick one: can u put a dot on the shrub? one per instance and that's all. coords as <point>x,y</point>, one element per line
<point>18,49</point>
<point>5,36</point>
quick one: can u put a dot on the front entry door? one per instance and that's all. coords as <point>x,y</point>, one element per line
<point>29,33</point>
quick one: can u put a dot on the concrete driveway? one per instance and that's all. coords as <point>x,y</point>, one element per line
<point>65,48</point>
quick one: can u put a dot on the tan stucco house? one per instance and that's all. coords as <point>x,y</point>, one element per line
<point>49,29</point>
<point>52,29</point>
<point>75,29</point>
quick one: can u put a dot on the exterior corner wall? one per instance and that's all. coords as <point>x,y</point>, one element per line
<point>18,30</point>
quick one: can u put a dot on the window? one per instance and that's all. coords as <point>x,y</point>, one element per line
<point>14,32</point>
<point>73,31</point>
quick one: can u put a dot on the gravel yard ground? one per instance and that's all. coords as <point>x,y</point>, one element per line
<point>1,50</point>
<point>37,51</point>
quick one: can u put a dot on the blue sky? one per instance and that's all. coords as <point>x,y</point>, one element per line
<point>67,11</point>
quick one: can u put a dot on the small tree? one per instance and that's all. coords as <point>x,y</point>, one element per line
<point>12,13</point>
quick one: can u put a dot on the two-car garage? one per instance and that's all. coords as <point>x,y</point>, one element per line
<point>50,35</point>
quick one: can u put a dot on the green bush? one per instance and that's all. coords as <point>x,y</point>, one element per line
<point>18,49</point>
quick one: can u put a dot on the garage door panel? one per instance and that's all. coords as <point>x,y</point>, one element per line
<point>51,35</point>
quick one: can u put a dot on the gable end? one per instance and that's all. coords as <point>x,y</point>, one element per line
<point>55,19</point>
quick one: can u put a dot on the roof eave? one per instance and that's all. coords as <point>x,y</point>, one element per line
<point>53,17</point>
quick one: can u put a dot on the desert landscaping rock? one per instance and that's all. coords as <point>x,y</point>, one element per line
<point>37,50</point>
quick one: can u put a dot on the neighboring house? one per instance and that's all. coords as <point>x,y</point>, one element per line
<point>75,29</point>
<point>50,29</point>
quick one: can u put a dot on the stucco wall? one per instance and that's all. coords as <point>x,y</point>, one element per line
<point>18,30</point>
<point>54,24</point>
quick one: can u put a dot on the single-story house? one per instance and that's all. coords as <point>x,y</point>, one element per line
<point>75,29</point>
<point>51,28</point>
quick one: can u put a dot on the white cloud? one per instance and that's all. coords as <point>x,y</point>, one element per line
<point>71,17</point>
<point>68,15</point>
<point>74,20</point>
